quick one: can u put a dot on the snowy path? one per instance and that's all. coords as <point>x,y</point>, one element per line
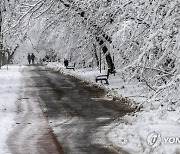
<point>79,114</point>
<point>30,132</point>
<point>76,111</point>
<point>136,132</point>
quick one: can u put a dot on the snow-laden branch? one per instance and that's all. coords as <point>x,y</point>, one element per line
<point>50,5</point>
<point>25,14</point>
<point>156,69</point>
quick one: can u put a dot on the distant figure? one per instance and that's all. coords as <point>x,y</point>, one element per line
<point>29,58</point>
<point>66,63</point>
<point>32,58</point>
<point>47,58</point>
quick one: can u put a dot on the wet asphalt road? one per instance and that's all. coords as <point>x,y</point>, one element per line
<point>77,111</point>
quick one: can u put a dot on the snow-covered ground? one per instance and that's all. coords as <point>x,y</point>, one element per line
<point>152,129</point>
<point>10,82</point>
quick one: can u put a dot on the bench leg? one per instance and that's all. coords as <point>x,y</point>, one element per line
<point>107,82</point>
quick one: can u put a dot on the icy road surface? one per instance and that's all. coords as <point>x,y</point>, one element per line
<point>45,112</point>
<point>76,111</point>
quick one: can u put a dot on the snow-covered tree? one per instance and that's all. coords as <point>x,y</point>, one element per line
<point>142,35</point>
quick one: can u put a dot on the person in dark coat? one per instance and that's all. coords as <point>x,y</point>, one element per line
<point>32,57</point>
<point>66,63</point>
<point>29,58</point>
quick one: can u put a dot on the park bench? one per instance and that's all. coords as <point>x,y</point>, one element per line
<point>71,67</point>
<point>103,77</point>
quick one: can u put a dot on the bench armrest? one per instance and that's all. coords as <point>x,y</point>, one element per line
<point>101,76</point>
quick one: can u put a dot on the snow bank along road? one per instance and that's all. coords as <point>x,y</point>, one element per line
<point>76,111</point>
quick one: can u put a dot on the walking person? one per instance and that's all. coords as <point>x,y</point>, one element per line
<point>32,58</point>
<point>29,58</point>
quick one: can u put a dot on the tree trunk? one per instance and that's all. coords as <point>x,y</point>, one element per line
<point>96,56</point>
<point>1,45</point>
<point>10,55</point>
<point>109,60</point>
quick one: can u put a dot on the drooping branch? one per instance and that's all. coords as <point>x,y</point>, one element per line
<point>36,6</point>
<point>101,37</point>
<point>51,4</point>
